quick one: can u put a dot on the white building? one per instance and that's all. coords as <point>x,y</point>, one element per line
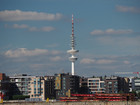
<point>136,84</point>
<point>96,85</point>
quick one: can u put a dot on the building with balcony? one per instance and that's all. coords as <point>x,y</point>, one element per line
<point>66,84</point>
<point>50,87</point>
<point>83,88</point>
<point>96,85</point>
<point>136,83</point>
<point>116,85</point>
<point>19,84</point>
<point>37,88</point>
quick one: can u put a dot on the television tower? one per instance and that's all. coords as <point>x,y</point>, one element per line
<point>72,51</point>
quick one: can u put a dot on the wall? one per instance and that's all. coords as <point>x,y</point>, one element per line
<point>75,103</point>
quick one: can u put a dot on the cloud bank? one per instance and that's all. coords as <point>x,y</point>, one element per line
<point>18,15</point>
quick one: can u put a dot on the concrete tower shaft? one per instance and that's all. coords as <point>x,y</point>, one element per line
<point>72,51</point>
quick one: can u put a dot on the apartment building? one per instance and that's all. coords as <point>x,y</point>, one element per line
<point>96,85</point>
<point>66,84</point>
<point>116,85</point>
<point>136,84</point>
<point>83,88</point>
<point>19,84</point>
<point>50,87</point>
<point>37,88</point>
<point>131,84</point>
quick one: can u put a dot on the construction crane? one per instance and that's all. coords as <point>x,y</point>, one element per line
<point>138,73</point>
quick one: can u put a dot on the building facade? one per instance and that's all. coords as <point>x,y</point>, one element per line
<point>131,84</point>
<point>19,84</point>
<point>83,88</point>
<point>66,84</point>
<point>96,85</point>
<point>136,83</point>
<point>50,87</point>
<point>37,88</point>
<point>116,85</point>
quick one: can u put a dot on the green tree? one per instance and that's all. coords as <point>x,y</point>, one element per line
<point>20,97</point>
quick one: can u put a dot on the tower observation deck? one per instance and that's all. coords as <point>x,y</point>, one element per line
<point>73,58</point>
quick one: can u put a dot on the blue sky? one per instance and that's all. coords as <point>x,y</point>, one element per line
<point>35,35</point>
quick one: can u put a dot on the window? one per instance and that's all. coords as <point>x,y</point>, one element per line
<point>34,82</point>
<point>109,82</point>
<point>101,85</point>
<point>38,86</point>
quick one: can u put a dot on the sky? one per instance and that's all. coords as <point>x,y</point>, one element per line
<point>35,36</point>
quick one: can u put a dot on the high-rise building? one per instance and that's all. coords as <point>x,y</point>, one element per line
<point>66,84</point>
<point>19,84</point>
<point>96,85</point>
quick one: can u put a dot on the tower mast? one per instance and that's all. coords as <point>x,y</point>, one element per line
<point>72,51</point>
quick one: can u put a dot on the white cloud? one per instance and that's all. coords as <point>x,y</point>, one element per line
<point>20,26</point>
<point>126,62</point>
<point>105,61</point>
<point>127,9</point>
<point>47,29</point>
<point>18,15</point>
<point>124,42</point>
<point>93,61</point>
<point>20,52</point>
<point>24,26</point>
<point>57,58</point>
<point>87,61</point>
<point>111,31</point>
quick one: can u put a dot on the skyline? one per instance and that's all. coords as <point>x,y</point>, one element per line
<point>35,36</point>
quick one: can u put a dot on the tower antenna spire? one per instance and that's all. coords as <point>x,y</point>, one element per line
<point>72,51</point>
